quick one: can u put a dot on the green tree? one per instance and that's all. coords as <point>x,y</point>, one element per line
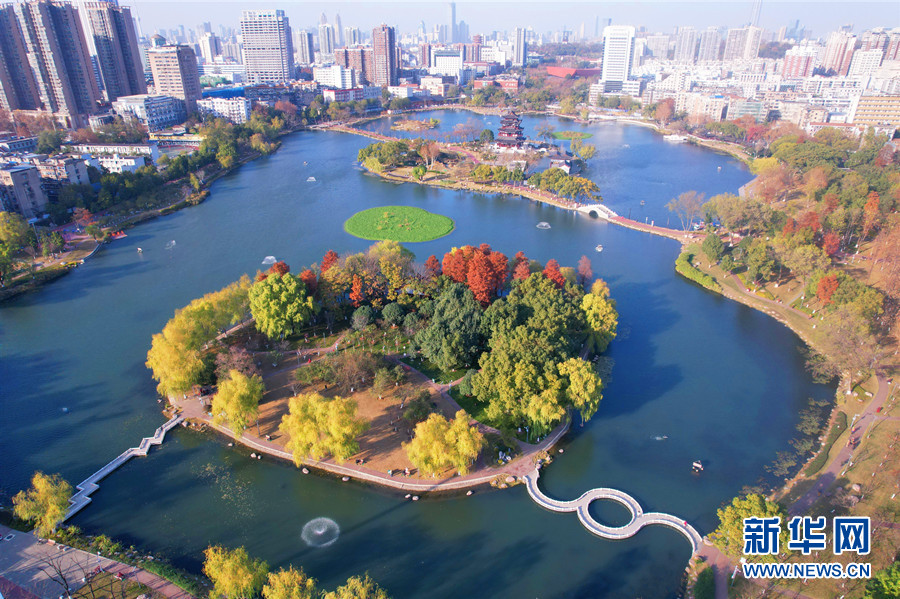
<point>318,427</point>
<point>439,444</point>
<point>759,261</point>
<point>601,316</point>
<point>453,336</point>
<point>237,401</point>
<point>358,588</point>
<point>234,574</point>
<point>290,584</point>
<point>885,584</point>
<point>713,247</point>
<point>583,386</point>
<point>486,137</point>
<point>729,536</point>
<point>279,303</point>
<point>50,140</point>
<point>419,171</point>
<point>392,314</point>
<point>45,503</point>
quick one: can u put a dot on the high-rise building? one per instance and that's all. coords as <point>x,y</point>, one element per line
<point>18,90</point>
<point>352,37</point>
<point>385,55</point>
<point>113,47</point>
<point>360,60</point>
<point>710,43</point>
<point>618,55</point>
<point>865,62</point>
<point>520,50</point>
<point>686,44</point>
<point>799,62</point>
<point>839,52</point>
<point>209,47</point>
<point>338,32</point>
<point>268,48</point>
<point>57,52</point>
<point>658,45</point>
<point>21,191</point>
<point>326,39</point>
<point>451,26</point>
<point>304,43</point>
<point>742,44</point>
<point>175,73</point>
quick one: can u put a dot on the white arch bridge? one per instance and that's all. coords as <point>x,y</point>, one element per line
<point>638,518</point>
<point>598,210</point>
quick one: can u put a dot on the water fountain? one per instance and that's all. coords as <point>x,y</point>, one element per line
<point>320,532</point>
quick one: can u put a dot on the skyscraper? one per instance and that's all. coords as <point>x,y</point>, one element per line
<point>338,32</point>
<point>742,44</point>
<point>618,56</point>
<point>520,49</point>
<point>209,47</point>
<point>305,53</point>
<point>326,39</point>
<point>57,52</point>
<point>175,73</point>
<point>839,52</point>
<point>451,26</point>
<point>268,49</point>
<point>710,43</point>
<point>799,62</point>
<point>385,55</point>
<point>18,90</point>
<point>686,44</point>
<point>352,36</point>
<point>113,46</point>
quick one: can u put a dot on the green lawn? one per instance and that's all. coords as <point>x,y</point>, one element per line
<point>398,223</point>
<point>571,135</point>
<point>432,371</point>
<point>473,407</point>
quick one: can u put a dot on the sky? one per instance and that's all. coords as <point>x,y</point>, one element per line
<point>821,16</point>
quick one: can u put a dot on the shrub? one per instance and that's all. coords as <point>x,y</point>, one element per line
<point>684,266</point>
<point>362,317</point>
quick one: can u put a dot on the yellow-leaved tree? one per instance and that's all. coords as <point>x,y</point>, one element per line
<point>318,427</point>
<point>439,444</point>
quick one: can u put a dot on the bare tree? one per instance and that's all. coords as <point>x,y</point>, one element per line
<point>688,207</point>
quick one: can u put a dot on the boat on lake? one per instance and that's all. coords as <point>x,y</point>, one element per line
<point>310,179</point>
<point>598,248</point>
<point>675,138</point>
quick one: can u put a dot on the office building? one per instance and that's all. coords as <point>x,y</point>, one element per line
<point>113,47</point>
<point>352,37</point>
<point>210,47</point>
<point>335,76</point>
<point>155,112</point>
<point>268,48</point>
<point>236,110</point>
<point>686,45</point>
<point>18,89</point>
<point>306,55</point>
<point>175,74</point>
<point>618,56</point>
<point>658,45</point>
<point>520,52</point>
<point>710,44</point>
<point>21,191</point>
<point>865,62</point>
<point>451,26</point>
<point>875,111</point>
<point>385,55</point>
<point>57,52</point>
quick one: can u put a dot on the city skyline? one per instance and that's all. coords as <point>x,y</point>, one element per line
<point>486,17</point>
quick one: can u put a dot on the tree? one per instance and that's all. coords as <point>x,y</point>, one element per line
<point>713,247</point>
<point>433,267</point>
<point>551,271</point>
<point>236,358</point>
<point>319,427</point>
<point>453,337</point>
<point>357,293</point>
<point>804,260</point>
<point>729,536</point>
<point>885,584</point>
<point>486,137</point>
<point>310,280</point>
<point>440,444</point>
<point>418,172</point>
<point>358,588</point>
<point>585,273</point>
<point>329,260</point>
<point>237,401</point>
<point>826,287</point>
<point>362,317</point>
<point>664,111</point>
<point>94,231</point>
<point>687,206</point>
<point>584,386</point>
<point>847,345</point>
<point>233,573</point>
<point>831,243</point>
<point>872,212</point>
<point>279,303</point>
<point>45,504</point>
<point>392,314</point>
<point>290,584</point>
<point>602,319</point>
<point>50,140</point>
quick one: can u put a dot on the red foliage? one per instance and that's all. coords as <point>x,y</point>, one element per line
<point>500,266</point>
<point>522,271</point>
<point>551,271</point>
<point>329,260</point>
<point>831,203</point>
<point>310,280</point>
<point>810,219</point>
<point>826,288</point>
<point>357,295</point>
<point>261,276</point>
<point>456,262</point>
<point>83,216</point>
<point>520,256</point>
<point>433,267</point>
<point>585,272</point>
<point>831,243</point>
<point>480,278</point>
<point>790,227</point>
<point>280,268</point>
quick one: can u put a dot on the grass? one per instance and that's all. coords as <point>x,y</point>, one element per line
<point>107,585</point>
<point>571,135</point>
<point>398,223</point>
<point>473,407</point>
<point>705,587</point>
<point>432,371</point>
<point>840,425</point>
<point>9,520</point>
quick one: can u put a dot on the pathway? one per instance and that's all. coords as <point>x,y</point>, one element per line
<point>835,468</point>
<point>639,519</point>
<point>80,499</point>
<point>27,563</point>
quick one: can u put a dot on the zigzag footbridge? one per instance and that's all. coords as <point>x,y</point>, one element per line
<point>638,518</point>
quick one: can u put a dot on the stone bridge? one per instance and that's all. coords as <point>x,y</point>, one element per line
<point>598,210</point>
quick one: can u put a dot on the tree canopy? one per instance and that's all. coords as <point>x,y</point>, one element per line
<point>45,503</point>
<point>439,444</point>
<point>279,303</point>
<point>453,337</point>
<point>729,536</point>
<point>319,427</point>
<point>237,401</point>
<point>290,584</point>
<point>234,574</point>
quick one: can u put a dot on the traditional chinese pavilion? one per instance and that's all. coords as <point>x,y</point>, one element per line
<point>510,134</point>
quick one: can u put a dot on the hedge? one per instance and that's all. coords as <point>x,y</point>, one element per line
<point>684,266</point>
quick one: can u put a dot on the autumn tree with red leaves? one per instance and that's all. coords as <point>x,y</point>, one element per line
<point>280,268</point>
<point>585,272</point>
<point>357,295</point>
<point>433,267</point>
<point>551,271</point>
<point>826,287</point>
<point>310,280</point>
<point>790,227</point>
<point>480,278</point>
<point>809,219</point>
<point>328,260</point>
<point>871,212</point>
<point>831,243</point>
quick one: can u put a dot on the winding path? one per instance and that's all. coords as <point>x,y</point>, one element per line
<point>638,518</point>
<point>83,497</point>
